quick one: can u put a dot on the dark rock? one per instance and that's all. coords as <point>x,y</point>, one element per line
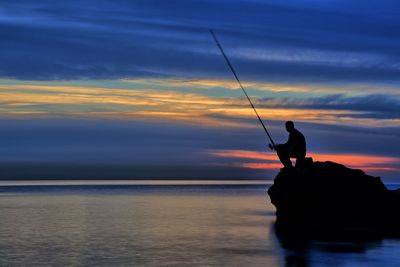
<point>329,198</point>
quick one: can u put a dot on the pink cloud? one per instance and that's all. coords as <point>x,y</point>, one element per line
<point>268,160</point>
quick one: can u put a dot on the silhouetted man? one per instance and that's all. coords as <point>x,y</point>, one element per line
<point>295,147</point>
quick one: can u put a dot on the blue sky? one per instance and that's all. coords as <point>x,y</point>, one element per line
<point>141,85</point>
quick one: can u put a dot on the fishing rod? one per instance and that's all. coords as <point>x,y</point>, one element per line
<point>241,86</point>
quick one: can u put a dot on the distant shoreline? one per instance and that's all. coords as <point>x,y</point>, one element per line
<point>131,182</point>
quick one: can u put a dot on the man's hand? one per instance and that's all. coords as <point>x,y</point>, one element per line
<point>271,147</point>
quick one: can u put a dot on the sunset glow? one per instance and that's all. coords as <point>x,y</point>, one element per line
<point>269,160</point>
<point>142,85</point>
<point>155,104</point>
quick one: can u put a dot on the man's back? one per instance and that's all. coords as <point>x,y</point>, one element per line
<point>297,143</point>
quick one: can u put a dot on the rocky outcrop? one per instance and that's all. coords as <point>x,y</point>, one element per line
<point>328,197</point>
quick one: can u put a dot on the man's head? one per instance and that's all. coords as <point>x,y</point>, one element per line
<point>289,126</point>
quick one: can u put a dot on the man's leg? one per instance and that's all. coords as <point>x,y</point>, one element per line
<point>299,159</point>
<point>283,154</point>
<point>299,162</point>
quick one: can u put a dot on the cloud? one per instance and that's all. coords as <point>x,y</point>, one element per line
<point>124,39</point>
<point>370,106</point>
<point>194,105</point>
<point>64,148</point>
<point>263,160</point>
<point>133,148</point>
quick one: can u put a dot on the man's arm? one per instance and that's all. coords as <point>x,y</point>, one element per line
<point>291,142</point>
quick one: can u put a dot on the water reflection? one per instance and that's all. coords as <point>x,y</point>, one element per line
<point>159,225</point>
<point>135,226</point>
<point>301,250</point>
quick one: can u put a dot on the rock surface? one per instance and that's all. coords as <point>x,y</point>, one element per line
<point>328,197</point>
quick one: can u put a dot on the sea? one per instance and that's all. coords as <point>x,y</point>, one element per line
<point>160,223</point>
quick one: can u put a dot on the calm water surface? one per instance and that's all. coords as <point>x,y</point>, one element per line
<point>159,224</point>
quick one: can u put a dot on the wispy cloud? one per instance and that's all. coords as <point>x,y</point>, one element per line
<point>264,160</point>
<point>194,107</point>
<point>263,88</point>
<point>305,42</point>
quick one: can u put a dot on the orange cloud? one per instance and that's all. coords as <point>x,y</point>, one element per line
<point>155,104</point>
<point>361,161</point>
<point>231,84</point>
<point>263,166</point>
<point>244,154</point>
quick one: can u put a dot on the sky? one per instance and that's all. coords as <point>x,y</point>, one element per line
<point>138,89</point>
